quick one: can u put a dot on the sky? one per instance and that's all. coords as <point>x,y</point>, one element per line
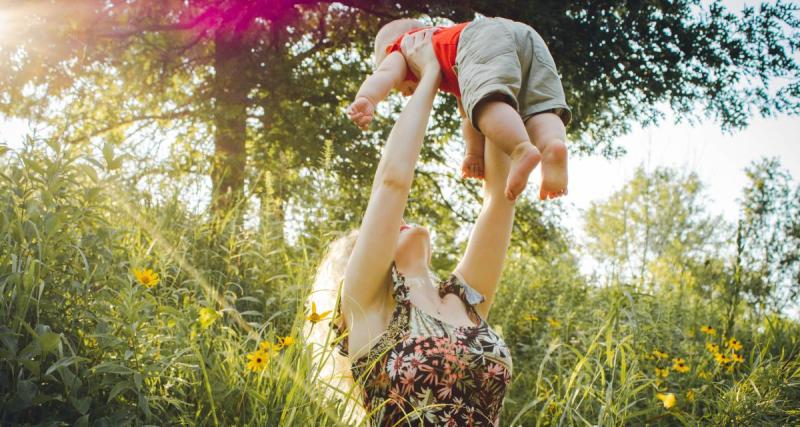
<point>719,159</point>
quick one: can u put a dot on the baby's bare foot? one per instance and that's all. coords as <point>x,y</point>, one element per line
<point>472,166</point>
<point>523,160</point>
<point>554,171</point>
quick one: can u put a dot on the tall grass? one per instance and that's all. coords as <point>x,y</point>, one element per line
<point>82,342</point>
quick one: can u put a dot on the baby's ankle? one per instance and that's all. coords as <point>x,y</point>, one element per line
<point>523,149</point>
<point>545,144</point>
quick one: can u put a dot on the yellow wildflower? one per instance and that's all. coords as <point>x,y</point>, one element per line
<point>531,317</point>
<point>731,367</point>
<point>721,358</point>
<point>668,399</point>
<point>660,354</point>
<point>680,365</point>
<point>734,344</point>
<point>704,375</point>
<point>257,360</point>
<point>553,322</point>
<point>690,395</point>
<point>207,317</point>
<point>266,347</point>
<point>315,317</point>
<point>662,372</point>
<point>737,358</point>
<point>284,342</point>
<point>712,348</point>
<point>708,330</point>
<point>147,277</point>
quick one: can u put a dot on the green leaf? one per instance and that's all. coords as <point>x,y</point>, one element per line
<point>49,341</point>
<point>115,164</point>
<point>251,313</point>
<point>118,388</point>
<point>112,368</point>
<point>33,165</point>
<point>108,153</point>
<point>30,351</point>
<point>54,144</point>
<point>81,405</point>
<point>64,362</point>
<point>24,396</point>
<point>82,421</point>
<point>9,340</point>
<point>89,171</point>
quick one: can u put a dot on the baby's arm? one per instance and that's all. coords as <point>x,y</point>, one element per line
<point>472,166</point>
<point>376,88</point>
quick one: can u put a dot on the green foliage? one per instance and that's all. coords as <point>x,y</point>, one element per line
<point>770,235</point>
<point>654,231</point>
<point>83,342</point>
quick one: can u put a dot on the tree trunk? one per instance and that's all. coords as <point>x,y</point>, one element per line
<point>231,87</point>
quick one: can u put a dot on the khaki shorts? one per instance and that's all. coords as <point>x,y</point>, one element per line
<point>502,59</point>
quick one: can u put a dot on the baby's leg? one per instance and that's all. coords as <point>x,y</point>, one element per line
<point>472,166</point>
<point>547,132</point>
<point>501,124</point>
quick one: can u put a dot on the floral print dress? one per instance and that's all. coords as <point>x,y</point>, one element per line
<point>424,371</point>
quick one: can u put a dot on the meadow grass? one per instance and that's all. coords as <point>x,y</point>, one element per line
<point>86,339</point>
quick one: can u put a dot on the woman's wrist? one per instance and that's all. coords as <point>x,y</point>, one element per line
<point>434,69</point>
<point>430,73</point>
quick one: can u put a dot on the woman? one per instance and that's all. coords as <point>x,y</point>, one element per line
<point>421,350</point>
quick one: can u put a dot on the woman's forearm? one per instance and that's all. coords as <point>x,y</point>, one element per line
<point>402,149</point>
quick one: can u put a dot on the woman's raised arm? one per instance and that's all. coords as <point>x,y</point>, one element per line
<point>482,263</point>
<point>368,268</point>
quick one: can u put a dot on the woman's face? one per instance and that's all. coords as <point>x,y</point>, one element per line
<point>413,245</point>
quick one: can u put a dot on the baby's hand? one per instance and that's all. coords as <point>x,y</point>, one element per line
<point>472,166</point>
<point>361,111</point>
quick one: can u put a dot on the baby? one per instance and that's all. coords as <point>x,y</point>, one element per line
<point>507,88</point>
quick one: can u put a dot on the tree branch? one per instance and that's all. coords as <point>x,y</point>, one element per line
<point>366,7</point>
<point>168,116</point>
<point>180,26</point>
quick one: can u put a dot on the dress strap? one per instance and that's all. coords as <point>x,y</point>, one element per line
<point>399,287</point>
<point>455,284</point>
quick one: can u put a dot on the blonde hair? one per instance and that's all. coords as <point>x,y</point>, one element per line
<point>389,33</point>
<point>331,369</point>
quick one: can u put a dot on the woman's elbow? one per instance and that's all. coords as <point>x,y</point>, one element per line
<point>396,179</point>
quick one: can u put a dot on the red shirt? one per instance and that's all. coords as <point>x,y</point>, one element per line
<point>445,45</point>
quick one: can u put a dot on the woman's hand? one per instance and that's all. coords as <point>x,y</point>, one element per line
<point>419,54</point>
